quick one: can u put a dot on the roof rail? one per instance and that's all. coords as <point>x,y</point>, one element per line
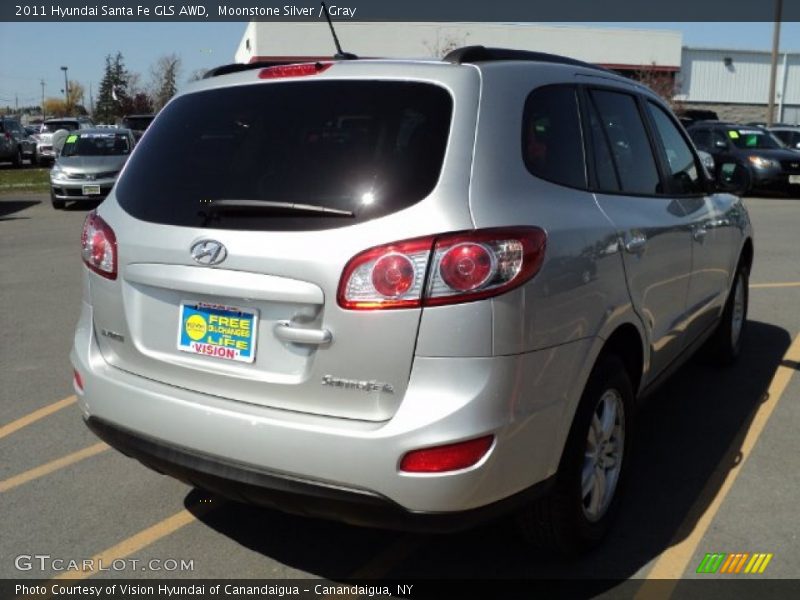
<point>237,67</point>
<point>473,54</point>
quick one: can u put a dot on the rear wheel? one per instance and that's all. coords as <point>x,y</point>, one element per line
<point>17,161</point>
<point>725,345</point>
<point>578,511</point>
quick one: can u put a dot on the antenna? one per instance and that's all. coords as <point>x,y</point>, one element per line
<point>340,54</point>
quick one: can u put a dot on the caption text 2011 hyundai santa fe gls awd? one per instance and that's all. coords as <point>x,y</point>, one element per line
<point>411,294</point>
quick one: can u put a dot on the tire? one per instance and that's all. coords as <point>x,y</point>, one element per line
<point>17,161</point>
<point>725,344</point>
<point>56,202</point>
<point>568,521</point>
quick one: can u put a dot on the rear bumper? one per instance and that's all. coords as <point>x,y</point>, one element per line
<point>290,460</point>
<point>247,484</point>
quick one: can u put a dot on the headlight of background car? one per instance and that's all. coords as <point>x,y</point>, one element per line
<point>763,163</point>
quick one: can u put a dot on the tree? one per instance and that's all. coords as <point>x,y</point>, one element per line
<point>113,94</point>
<point>197,75</point>
<point>75,93</point>
<point>55,107</point>
<point>165,76</point>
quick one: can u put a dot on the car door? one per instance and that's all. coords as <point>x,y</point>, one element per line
<point>712,225</point>
<point>653,228</point>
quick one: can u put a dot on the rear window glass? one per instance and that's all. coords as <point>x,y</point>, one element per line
<point>239,157</point>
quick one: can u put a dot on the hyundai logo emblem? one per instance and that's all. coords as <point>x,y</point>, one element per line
<point>208,252</point>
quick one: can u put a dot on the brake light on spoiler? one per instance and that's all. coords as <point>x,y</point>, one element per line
<point>442,269</point>
<point>297,70</point>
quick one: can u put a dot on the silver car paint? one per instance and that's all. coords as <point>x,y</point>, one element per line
<point>514,365</point>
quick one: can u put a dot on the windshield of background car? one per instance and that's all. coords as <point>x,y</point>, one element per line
<point>96,144</point>
<point>749,139</point>
<point>56,125</point>
<point>368,147</point>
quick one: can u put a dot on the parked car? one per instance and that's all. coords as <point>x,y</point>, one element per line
<point>788,134</point>
<point>138,123</point>
<point>688,117</point>
<point>770,166</point>
<point>45,152</point>
<point>89,164</point>
<point>15,143</point>
<point>406,293</point>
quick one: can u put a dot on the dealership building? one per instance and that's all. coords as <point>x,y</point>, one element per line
<point>733,83</point>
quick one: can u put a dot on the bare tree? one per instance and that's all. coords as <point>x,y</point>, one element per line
<point>164,74</point>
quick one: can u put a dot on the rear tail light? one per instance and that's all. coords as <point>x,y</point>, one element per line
<point>451,457</point>
<point>99,246</point>
<point>298,70</point>
<point>445,269</point>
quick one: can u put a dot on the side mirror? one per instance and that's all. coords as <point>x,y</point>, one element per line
<point>720,144</point>
<point>733,178</point>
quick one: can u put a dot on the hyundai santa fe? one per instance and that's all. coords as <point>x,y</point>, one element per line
<point>411,294</point>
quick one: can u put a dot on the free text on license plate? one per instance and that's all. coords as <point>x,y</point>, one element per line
<point>221,331</point>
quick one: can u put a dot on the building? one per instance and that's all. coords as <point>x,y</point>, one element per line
<point>629,51</point>
<point>735,83</point>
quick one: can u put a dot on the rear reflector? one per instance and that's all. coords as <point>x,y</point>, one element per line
<point>451,457</point>
<point>299,70</point>
<point>77,381</point>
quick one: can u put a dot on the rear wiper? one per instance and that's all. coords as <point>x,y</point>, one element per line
<point>232,205</point>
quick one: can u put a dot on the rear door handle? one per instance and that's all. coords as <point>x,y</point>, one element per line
<point>637,244</point>
<point>285,331</point>
<point>700,234</point>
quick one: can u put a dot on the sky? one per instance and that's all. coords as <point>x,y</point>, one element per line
<point>32,52</point>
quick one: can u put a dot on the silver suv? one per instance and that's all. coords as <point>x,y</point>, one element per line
<point>404,293</point>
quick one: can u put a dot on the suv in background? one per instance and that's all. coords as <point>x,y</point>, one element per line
<point>137,124</point>
<point>45,152</point>
<point>15,143</point>
<point>788,134</point>
<point>406,293</point>
<point>771,167</point>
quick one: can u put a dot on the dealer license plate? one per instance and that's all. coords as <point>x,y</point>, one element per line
<point>794,179</point>
<point>219,331</point>
<point>91,190</point>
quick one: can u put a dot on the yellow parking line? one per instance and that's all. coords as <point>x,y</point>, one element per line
<point>788,284</point>
<point>671,565</point>
<point>55,465</point>
<point>141,540</point>
<point>35,416</point>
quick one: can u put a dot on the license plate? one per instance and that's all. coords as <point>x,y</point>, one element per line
<point>91,190</point>
<point>794,179</point>
<point>219,331</point>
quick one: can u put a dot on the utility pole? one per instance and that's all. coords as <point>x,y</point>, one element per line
<point>43,115</point>
<point>776,37</point>
<point>66,90</point>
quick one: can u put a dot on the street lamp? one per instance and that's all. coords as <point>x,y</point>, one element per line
<point>66,89</point>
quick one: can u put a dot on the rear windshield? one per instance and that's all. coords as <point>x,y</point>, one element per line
<point>365,148</point>
<point>52,126</point>
<point>96,144</point>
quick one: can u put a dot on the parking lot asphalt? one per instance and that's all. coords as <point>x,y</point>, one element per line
<point>715,467</point>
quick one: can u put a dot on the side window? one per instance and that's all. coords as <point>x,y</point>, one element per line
<point>701,138</point>
<point>685,177</point>
<point>605,171</point>
<point>552,143</point>
<point>716,138</point>
<point>630,147</point>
